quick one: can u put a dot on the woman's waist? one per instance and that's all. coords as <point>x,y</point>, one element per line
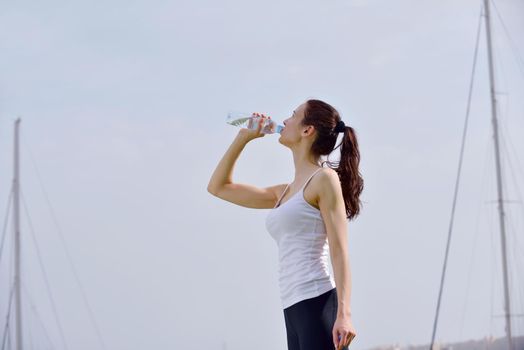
<point>295,283</point>
<point>304,268</point>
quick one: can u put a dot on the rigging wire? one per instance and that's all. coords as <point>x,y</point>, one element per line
<point>475,240</point>
<point>514,274</point>
<point>9,340</point>
<point>457,181</point>
<point>493,262</point>
<point>6,333</point>
<point>518,191</point>
<point>492,274</point>
<point>514,177</point>
<point>91,314</point>
<point>4,230</point>
<point>68,255</point>
<point>507,147</point>
<point>513,240</point>
<point>517,56</point>
<point>29,342</point>
<point>513,232</point>
<point>46,280</point>
<point>33,308</point>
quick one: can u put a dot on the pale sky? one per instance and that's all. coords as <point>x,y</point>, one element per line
<point>123,107</point>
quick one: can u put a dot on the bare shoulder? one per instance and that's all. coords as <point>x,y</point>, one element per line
<point>326,178</point>
<point>329,189</point>
<point>325,181</point>
<point>328,172</point>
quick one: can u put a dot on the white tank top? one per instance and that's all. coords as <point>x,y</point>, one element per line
<point>303,250</point>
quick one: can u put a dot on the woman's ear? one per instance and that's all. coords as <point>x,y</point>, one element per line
<point>309,130</point>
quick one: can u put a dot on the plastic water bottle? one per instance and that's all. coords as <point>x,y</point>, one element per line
<point>250,121</point>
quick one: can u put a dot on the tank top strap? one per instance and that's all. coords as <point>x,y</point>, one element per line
<point>310,177</point>
<point>302,189</point>
<point>281,196</point>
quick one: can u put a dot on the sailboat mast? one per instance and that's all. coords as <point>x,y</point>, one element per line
<point>16,221</point>
<point>500,200</point>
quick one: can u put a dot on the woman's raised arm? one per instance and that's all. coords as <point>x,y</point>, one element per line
<point>221,183</point>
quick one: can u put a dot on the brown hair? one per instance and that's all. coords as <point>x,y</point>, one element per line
<point>325,118</point>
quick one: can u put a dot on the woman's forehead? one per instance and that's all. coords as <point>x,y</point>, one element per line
<point>299,108</point>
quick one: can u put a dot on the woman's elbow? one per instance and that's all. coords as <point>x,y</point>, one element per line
<point>212,189</point>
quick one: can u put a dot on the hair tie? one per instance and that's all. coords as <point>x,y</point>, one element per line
<point>341,127</point>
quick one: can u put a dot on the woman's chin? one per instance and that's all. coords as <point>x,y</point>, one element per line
<point>282,141</point>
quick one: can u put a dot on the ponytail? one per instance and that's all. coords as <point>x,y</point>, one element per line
<point>348,172</point>
<point>327,122</point>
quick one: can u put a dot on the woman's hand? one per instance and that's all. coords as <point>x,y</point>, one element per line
<point>343,332</point>
<point>250,134</point>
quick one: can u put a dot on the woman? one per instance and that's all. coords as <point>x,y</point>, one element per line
<point>304,219</point>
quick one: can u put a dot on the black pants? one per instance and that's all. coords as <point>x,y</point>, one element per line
<point>309,323</point>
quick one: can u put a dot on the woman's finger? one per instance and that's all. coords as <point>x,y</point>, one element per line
<point>349,338</point>
<point>341,341</point>
<point>260,123</point>
<point>344,340</point>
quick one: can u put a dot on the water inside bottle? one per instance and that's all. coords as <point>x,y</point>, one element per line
<point>250,121</point>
